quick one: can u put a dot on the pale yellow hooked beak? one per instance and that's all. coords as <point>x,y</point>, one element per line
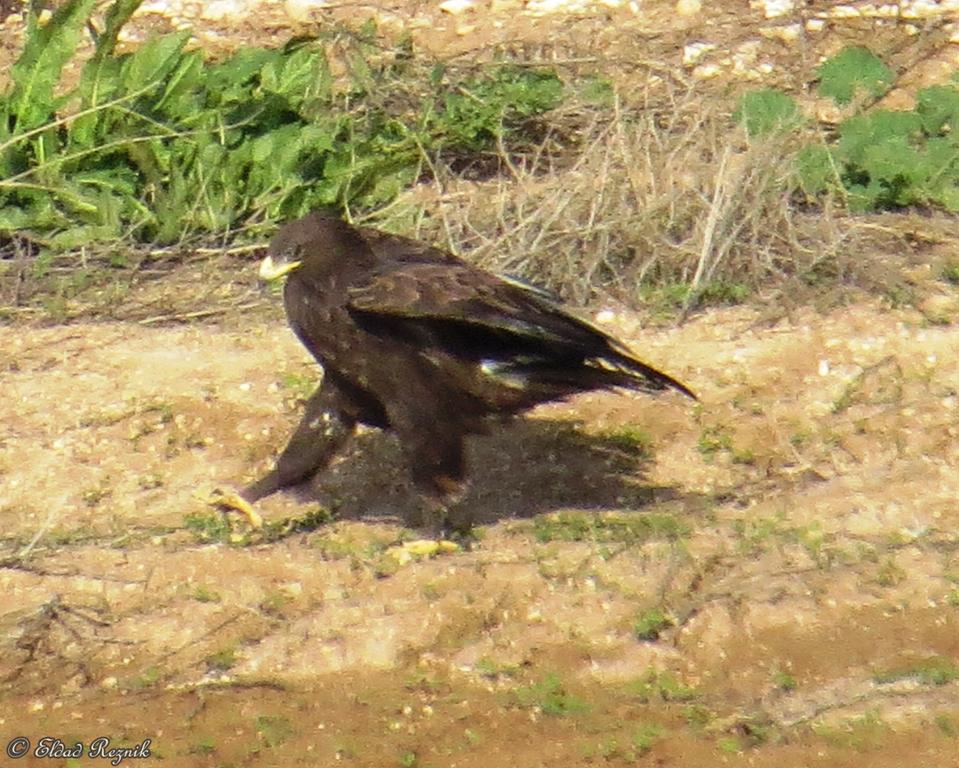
<point>271,270</point>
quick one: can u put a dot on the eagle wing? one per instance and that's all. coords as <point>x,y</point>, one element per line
<point>503,323</point>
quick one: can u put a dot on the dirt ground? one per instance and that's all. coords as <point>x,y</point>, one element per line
<point>767,578</point>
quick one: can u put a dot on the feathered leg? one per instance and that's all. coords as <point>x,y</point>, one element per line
<point>329,420</point>
<point>321,434</point>
<point>438,465</point>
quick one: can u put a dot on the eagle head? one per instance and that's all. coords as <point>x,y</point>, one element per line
<point>316,244</point>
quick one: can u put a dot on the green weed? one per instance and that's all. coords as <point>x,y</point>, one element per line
<point>161,143</point>
<point>645,736</point>
<point>660,685</point>
<point>222,660</point>
<point>609,527</point>
<point>938,670</point>
<point>274,730</point>
<point>730,745</point>
<point>147,678</point>
<point>947,725</point>
<point>550,697</point>
<point>204,594</point>
<point>859,733</point>
<point>208,526</point>
<point>203,747</point>
<point>890,574</point>
<point>784,681</point>
<point>649,624</point>
<point>881,158</point>
<point>489,668</point>
<point>713,439</point>
<point>950,274</point>
<point>633,440</point>
<point>855,69</point>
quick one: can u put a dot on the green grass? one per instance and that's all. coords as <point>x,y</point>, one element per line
<point>649,624</point>
<point>550,697</point>
<point>950,273</point>
<point>729,745</point>
<point>947,725</point>
<point>489,668</point>
<point>208,526</point>
<point>203,747</point>
<point>607,527</point>
<point>784,681</point>
<point>204,594</point>
<point>274,730</point>
<point>662,686</point>
<point>645,735</point>
<point>299,384</point>
<point>630,439</point>
<point>713,439</point>
<point>222,660</point>
<point>147,678</point>
<point>859,733</point>
<point>938,670</point>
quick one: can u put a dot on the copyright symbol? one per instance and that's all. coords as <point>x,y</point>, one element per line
<point>18,747</point>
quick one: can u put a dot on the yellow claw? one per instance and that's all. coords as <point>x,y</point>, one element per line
<point>229,501</point>
<point>420,548</point>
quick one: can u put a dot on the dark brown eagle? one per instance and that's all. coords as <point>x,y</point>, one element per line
<point>417,341</point>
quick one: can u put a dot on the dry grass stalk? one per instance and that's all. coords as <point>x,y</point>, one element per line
<point>635,197</point>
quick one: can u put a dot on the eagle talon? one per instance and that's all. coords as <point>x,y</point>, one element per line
<point>421,549</point>
<point>230,501</point>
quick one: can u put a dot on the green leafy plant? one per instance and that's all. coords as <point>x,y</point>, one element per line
<point>160,144</point>
<point>853,69</point>
<point>650,624</point>
<point>767,110</point>
<point>664,686</point>
<point>878,159</point>
<point>550,697</point>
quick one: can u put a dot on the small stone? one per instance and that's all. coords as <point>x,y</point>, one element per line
<point>775,8</point>
<point>788,34</point>
<point>455,7</point>
<point>220,10</point>
<point>688,7</point>
<point>301,10</point>
<point>705,71</point>
<point>605,316</point>
<point>845,12</point>
<point>695,51</point>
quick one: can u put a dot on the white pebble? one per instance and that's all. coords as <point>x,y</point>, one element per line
<point>455,7</point>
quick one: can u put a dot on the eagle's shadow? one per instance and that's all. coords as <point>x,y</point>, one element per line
<point>523,469</point>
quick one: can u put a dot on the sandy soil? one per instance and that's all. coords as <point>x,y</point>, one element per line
<point>795,532</point>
